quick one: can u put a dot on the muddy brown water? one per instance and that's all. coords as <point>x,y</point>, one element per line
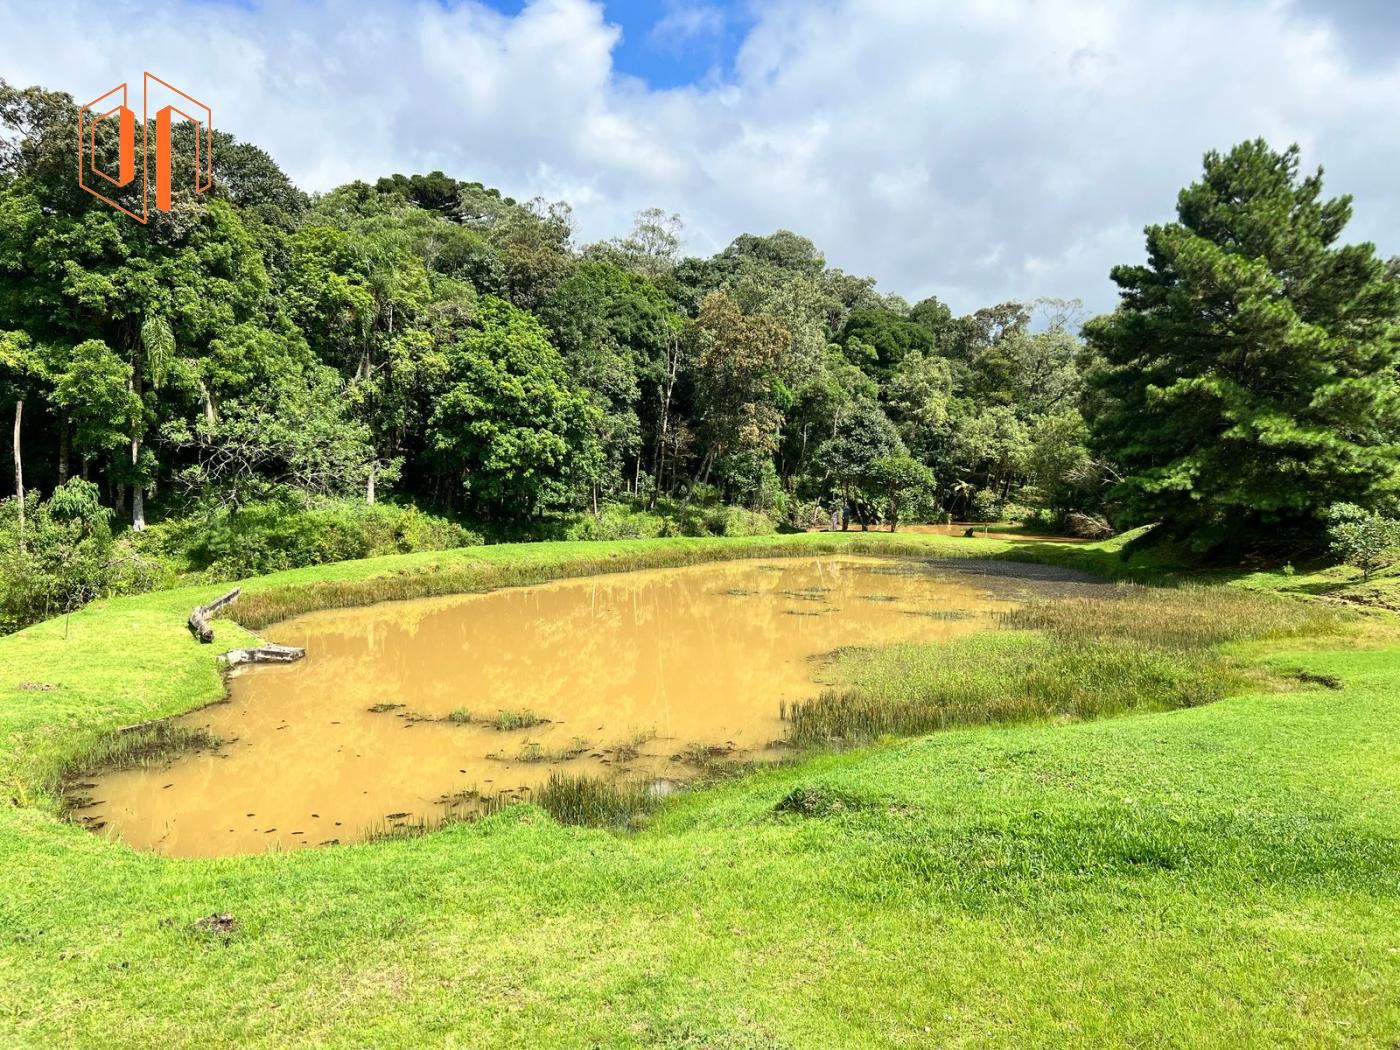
<point>636,673</point>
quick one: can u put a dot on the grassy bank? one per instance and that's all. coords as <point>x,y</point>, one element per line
<point>1218,874</point>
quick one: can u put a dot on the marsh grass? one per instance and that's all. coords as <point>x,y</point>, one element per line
<point>459,716</point>
<point>1191,616</point>
<point>630,749</point>
<point>477,573</point>
<point>145,747</point>
<point>1075,658</point>
<point>532,751</point>
<point>509,720</point>
<point>592,802</point>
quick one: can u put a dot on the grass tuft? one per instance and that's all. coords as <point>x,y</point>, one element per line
<point>508,720</point>
<point>591,802</point>
<point>142,748</point>
<point>1074,659</point>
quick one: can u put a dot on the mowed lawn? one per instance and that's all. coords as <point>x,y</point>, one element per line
<point>1220,875</point>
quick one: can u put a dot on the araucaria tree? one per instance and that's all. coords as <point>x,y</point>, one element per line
<point>1249,373</point>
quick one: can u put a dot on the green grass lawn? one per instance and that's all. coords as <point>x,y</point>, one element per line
<point>1225,874</point>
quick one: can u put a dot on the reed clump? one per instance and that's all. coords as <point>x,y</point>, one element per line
<point>630,748</point>
<point>592,802</point>
<point>510,720</point>
<point>142,748</point>
<point>533,751</point>
<point>1137,648</point>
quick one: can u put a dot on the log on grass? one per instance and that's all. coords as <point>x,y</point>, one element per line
<point>202,614</point>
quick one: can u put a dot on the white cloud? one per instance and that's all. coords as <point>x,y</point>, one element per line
<point>979,149</point>
<point>687,22</point>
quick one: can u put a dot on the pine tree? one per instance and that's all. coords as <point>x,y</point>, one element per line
<point>1249,372</point>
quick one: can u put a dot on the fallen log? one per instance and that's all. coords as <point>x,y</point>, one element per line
<point>263,654</point>
<point>199,619</point>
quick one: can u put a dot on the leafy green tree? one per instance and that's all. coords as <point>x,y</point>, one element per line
<point>864,437</point>
<point>984,460</point>
<point>92,390</point>
<point>1057,462</point>
<point>900,481</point>
<point>1363,538</point>
<point>512,426</point>
<point>878,339</point>
<point>293,432</point>
<point>651,250</point>
<point>736,360</point>
<point>615,330</point>
<point>919,398</point>
<point>816,408</point>
<point>1250,369</point>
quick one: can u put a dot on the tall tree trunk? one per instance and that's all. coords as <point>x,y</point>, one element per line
<point>211,412</point>
<point>369,485</point>
<point>64,451</point>
<point>663,428</point>
<point>19,468</point>
<point>138,493</point>
<point>702,477</point>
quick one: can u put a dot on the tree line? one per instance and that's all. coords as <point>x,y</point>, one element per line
<point>432,340</point>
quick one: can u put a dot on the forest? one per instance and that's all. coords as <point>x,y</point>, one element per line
<point>263,378</point>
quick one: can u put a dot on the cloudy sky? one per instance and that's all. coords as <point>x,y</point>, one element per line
<point>976,149</point>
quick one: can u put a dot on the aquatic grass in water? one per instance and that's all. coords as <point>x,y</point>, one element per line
<point>1189,616</point>
<point>146,747</point>
<point>532,751</point>
<point>142,748</point>
<point>1075,658</point>
<point>631,748</point>
<point>508,720</point>
<point>591,802</point>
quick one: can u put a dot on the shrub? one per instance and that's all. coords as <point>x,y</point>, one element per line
<point>808,514</point>
<point>985,505</point>
<point>267,537</point>
<point>728,521</point>
<point>617,521</point>
<point>63,558</point>
<point>1362,538</point>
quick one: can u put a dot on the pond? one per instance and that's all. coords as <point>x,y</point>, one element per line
<point>405,713</point>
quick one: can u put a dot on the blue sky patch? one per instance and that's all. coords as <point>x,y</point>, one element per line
<point>669,43</point>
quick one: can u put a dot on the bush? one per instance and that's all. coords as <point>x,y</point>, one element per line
<point>617,521</point>
<point>268,537</point>
<point>1363,538</point>
<point>725,521</point>
<point>63,558</point>
<point>985,505</point>
<point>808,514</point>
